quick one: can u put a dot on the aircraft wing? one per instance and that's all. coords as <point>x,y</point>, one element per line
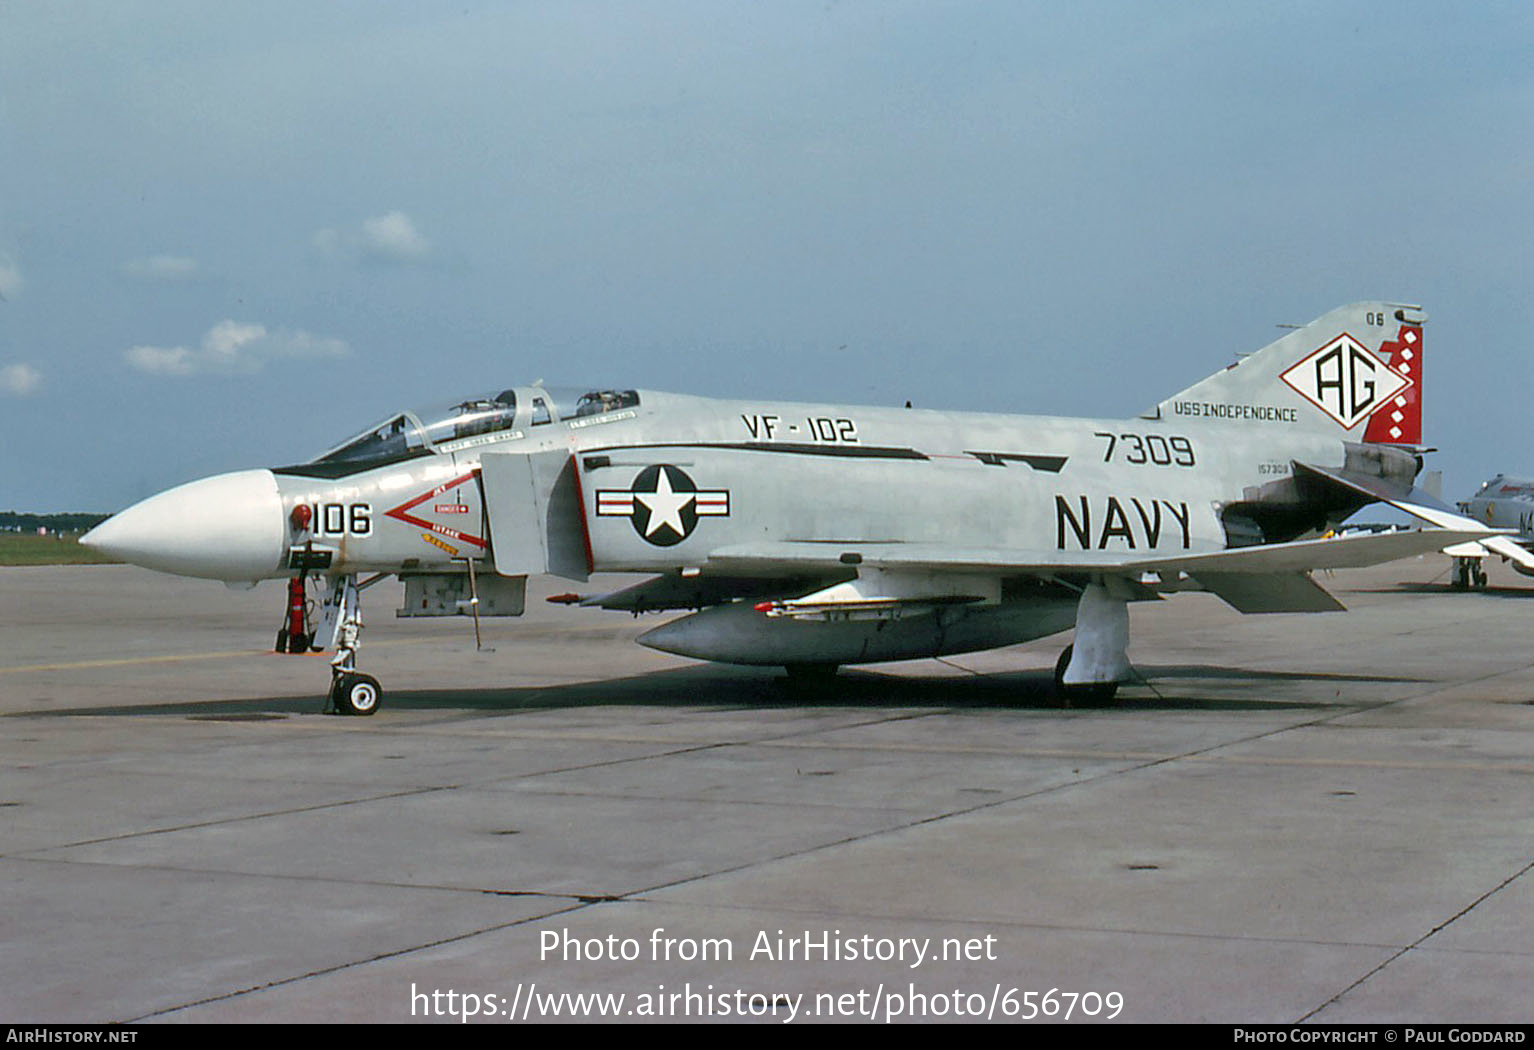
<point>1341,552</point>
<point>1260,579</point>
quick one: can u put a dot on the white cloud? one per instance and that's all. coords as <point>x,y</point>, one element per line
<point>391,237</point>
<point>394,236</point>
<point>20,379</point>
<point>234,348</point>
<point>171,361</point>
<point>162,268</point>
<point>10,278</point>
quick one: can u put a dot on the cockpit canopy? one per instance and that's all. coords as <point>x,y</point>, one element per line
<point>465,424</point>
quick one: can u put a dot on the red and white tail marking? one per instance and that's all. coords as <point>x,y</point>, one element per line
<point>1399,420</point>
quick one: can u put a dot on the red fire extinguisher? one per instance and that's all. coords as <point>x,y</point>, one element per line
<point>293,636</point>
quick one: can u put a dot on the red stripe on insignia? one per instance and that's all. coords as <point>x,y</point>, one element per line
<point>615,503</point>
<point>712,504</point>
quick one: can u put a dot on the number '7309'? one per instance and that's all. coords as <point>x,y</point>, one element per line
<point>1157,450</point>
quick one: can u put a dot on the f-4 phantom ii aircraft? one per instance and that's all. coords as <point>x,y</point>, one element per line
<point>1503,502</point>
<point>813,536</point>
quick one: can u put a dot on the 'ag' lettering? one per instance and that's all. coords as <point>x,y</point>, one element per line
<point>1346,381</point>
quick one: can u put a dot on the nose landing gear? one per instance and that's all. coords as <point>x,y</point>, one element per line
<point>351,691</point>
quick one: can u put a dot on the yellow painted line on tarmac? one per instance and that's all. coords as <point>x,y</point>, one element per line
<point>134,661</point>
<point>127,661</point>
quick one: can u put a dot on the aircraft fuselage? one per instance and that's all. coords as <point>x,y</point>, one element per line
<point>679,476</point>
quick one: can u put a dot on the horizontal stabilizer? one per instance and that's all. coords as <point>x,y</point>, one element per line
<point>1424,507</point>
<point>1437,513</point>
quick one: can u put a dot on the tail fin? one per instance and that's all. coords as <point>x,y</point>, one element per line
<point>1356,372</point>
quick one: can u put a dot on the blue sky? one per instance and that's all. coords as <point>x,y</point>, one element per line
<point>231,234</point>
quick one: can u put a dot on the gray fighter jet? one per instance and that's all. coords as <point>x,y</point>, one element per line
<point>813,536</point>
<point>1503,503</point>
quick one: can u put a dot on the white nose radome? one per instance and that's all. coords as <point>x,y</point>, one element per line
<point>227,527</point>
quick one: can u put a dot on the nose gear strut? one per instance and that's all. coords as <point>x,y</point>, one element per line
<point>351,691</point>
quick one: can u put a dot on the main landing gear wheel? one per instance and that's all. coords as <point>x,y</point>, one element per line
<point>1096,694</point>
<point>1469,573</point>
<point>354,693</point>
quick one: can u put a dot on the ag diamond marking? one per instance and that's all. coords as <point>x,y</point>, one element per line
<point>1346,381</point>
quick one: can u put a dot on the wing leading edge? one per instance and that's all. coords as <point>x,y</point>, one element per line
<point>1341,552</point>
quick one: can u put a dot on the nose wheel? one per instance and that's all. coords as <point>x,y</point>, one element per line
<point>354,693</point>
<point>351,691</point>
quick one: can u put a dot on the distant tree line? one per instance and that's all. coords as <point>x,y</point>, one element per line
<point>14,521</point>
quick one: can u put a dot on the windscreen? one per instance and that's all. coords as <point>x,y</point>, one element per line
<point>418,432</point>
